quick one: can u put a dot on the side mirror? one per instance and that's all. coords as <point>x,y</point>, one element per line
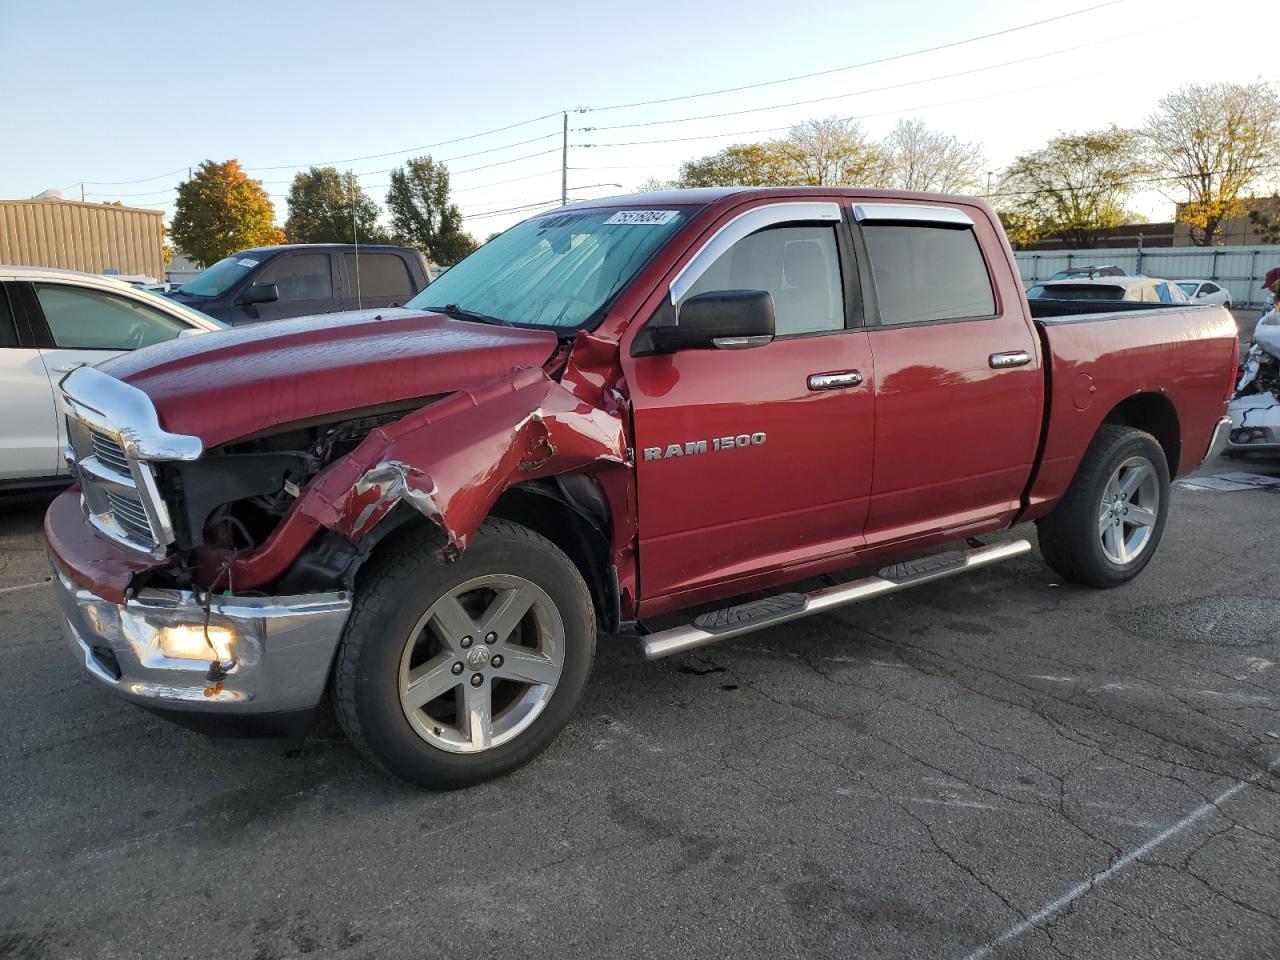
<point>1202,293</point>
<point>260,293</point>
<point>719,319</point>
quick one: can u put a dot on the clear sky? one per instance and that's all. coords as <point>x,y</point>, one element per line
<point>138,91</point>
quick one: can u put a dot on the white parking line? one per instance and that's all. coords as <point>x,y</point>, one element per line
<point>1102,876</point>
<point>26,586</point>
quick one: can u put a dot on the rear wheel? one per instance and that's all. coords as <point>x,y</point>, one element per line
<point>1107,526</point>
<point>452,674</point>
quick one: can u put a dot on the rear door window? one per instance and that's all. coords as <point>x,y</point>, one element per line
<point>925,273</point>
<point>300,276</point>
<point>381,275</point>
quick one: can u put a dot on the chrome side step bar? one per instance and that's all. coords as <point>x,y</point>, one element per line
<point>759,614</point>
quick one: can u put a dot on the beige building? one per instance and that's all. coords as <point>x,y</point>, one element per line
<point>93,237</point>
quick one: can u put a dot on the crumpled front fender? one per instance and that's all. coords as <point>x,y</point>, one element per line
<point>450,461</point>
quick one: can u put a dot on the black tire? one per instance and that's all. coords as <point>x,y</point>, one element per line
<point>1069,536</point>
<point>394,593</point>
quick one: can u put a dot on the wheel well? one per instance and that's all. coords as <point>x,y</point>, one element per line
<point>572,513</point>
<point>1153,413</point>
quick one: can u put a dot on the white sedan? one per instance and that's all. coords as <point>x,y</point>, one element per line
<point>1205,291</point>
<point>52,321</point>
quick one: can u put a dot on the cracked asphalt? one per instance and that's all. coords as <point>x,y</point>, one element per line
<point>993,766</point>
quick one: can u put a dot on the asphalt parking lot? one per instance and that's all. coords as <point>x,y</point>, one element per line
<point>993,766</point>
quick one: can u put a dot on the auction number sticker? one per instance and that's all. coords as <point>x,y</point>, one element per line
<point>648,218</point>
<point>246,262</point>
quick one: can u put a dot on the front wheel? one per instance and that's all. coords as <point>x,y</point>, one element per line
<point>1106,528</point>
<point>451,674</point>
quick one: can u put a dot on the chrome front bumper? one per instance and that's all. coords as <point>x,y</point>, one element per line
<point>283,648</point>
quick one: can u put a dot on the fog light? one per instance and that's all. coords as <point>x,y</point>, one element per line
<point>195,641</point>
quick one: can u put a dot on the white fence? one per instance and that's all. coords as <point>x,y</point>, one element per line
<point>1239,269</point>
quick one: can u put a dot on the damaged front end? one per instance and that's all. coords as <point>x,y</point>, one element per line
<point>200,569</point>
<point>1255,409</point>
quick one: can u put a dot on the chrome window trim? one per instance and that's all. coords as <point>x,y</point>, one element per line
<point>910,213</point>
<point>743,225</point>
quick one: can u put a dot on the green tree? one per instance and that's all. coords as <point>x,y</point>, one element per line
<point>1075,186</point>
<point>322,205</point>
<point>422,213</point>
<point>1215,141</point>
<point>219,211</point>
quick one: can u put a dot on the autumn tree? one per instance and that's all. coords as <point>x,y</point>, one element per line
<point>422,213</point>
<point>219,211</point>
<point>922,159</point>
<point>741,165</point>
<point>328,207</point>
<point>1215,141</point>
<point>832,152</point>
<point>1075,186</point>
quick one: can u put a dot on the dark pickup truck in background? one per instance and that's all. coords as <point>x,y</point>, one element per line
<point>295,280</point>
<point>615,413</point>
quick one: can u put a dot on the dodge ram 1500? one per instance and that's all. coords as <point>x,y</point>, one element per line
<point>617,410</point>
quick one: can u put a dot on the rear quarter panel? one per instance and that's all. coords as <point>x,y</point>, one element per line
<point>1096,363</point>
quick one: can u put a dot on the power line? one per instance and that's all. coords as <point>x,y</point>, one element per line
<point>855,66</point>
<point>841,96</point>
<point>857,116</point>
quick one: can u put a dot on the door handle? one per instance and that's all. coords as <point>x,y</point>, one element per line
<point>1015,358</point>
<point>834,381</point>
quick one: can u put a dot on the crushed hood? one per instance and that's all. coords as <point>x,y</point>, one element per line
<point>232,383</point>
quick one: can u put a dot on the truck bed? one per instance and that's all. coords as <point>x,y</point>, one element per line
<point>1107,360</point>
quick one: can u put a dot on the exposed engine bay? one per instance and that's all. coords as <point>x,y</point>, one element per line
<point>234,496</point>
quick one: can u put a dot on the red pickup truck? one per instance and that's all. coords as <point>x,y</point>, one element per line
<point>626,408</point>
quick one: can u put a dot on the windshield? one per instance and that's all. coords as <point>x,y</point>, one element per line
<point>173,306</point>
<point>1189,288</point>
<point>221,276</point>
<point>560,270</point>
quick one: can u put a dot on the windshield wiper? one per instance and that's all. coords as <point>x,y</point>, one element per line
<point>460,313</point>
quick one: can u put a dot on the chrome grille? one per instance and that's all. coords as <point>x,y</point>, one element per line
<point>113,488</point>
<point>131,517</point>
<point>118,486</point>
<point>109,451</point>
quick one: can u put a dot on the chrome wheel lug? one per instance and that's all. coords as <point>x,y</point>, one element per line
<point>476,679</point>
<point>457,668</point>
<point>490,638</point>
<point>497,661</point>
<point>465,642</point>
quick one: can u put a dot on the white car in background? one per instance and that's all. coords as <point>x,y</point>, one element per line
<point>1206,291</point>
<point>52,321</point>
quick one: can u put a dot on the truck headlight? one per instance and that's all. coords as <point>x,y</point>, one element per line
<point>195,641</point>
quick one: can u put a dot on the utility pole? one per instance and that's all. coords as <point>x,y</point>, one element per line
<point>988,196</point>
<point>82,191</point>
<point>355,236</point>
<point>564,163</point>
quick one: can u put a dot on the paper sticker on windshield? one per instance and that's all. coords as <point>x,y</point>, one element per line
<point>648,218</point>
<point>247,262</point>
